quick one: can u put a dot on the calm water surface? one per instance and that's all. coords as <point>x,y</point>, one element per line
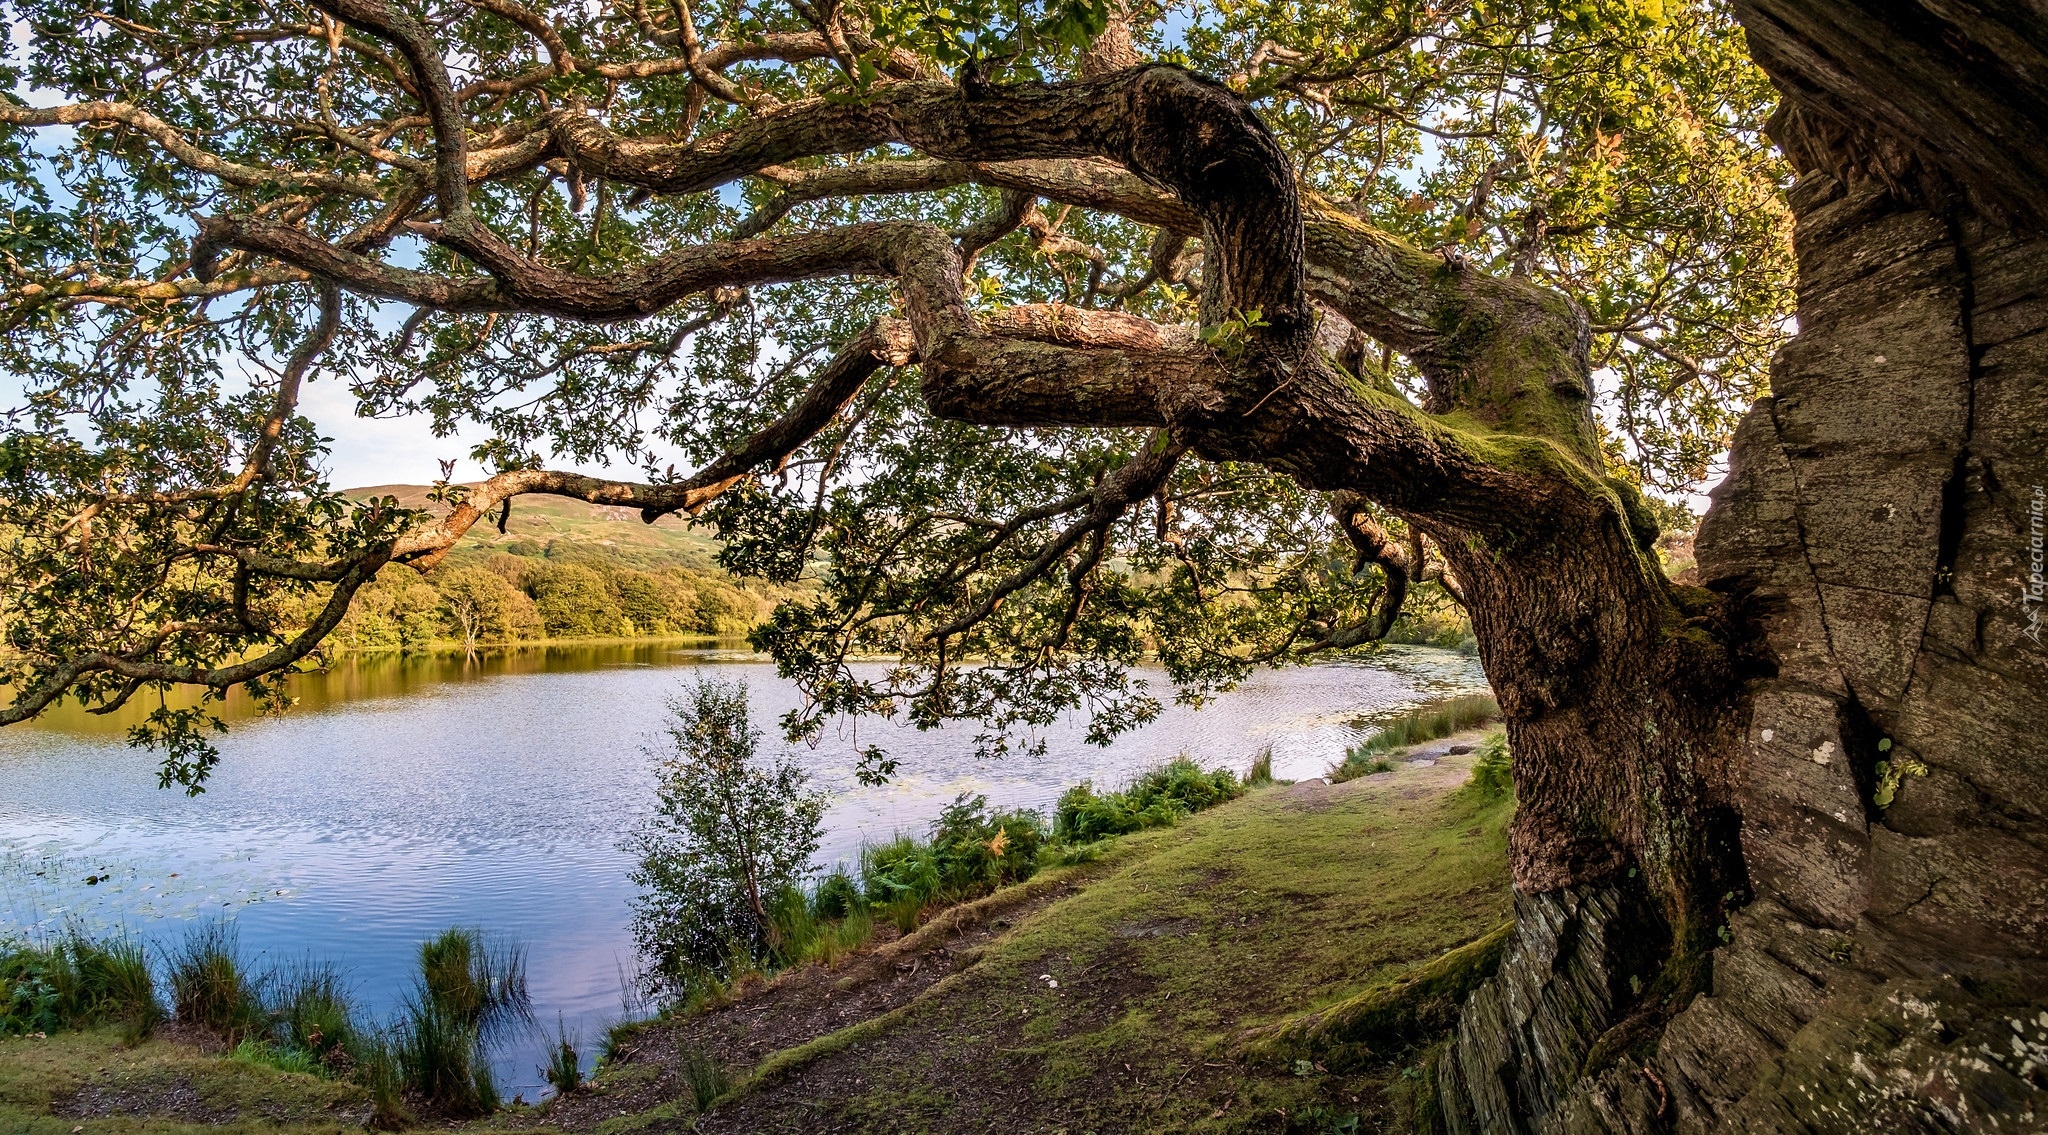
<point>404,795</point>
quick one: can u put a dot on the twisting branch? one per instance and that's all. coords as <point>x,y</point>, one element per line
<point>1138,479</point>
<point>1373,545</point>
<point>884,344</point>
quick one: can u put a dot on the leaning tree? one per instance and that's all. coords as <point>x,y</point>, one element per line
<point>1034,358</point>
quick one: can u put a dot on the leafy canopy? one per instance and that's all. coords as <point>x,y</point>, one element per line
<point>157,474</point>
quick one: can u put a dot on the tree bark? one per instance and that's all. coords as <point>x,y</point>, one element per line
<point>1878,540</point>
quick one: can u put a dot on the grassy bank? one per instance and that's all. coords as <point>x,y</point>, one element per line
<point>1174,985</point>
<point>92,1033</point>
<point>96,1083</point>
<point>1430,723</point>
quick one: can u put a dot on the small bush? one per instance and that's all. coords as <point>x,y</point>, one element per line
<point>969,852</point>
<point>1427,724</point>
<point>904,869</point>
<point>1492,772</point>
<point>315,1016</point>
<point>212,989</point>
<point>837,896</point>
<point>705,888</point>
<point>1157,798</point>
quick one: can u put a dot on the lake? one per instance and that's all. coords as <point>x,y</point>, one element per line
<point>405,794</point>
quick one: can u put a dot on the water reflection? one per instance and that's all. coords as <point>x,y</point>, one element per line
<point>401,795</point>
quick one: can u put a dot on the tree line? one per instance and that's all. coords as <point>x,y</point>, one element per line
<point>562,590</point>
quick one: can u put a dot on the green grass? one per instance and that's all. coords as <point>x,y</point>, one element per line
<point>250,1096</point>
<point>1426,724</point>
<point>564,1069</point>
<point>1128,1005</point>
<point>211,988</point>
<point>470,992</point>
<point>77,982</point>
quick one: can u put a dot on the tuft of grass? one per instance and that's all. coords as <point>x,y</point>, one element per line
<point>441,1060</point>
<point>707,1080</point>
<point>1261,772</point>
<point>1492,773</point>
<point>564,1070</point>
<point>211,988</point>
<point>78,983</point>
<point>314,1015</point>
<point>475,982</point>
<point>381,1069</point>
<point>1426,724</point>
<point>256,1050</point>
<point>470,991</point>
<point>1393,1017</point>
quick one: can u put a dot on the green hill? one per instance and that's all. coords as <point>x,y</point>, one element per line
<point>604,529</point>
<point>562,569</point>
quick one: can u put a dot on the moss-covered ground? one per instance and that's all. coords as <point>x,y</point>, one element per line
<point>90,1082</point>
<point>1124,1006</point>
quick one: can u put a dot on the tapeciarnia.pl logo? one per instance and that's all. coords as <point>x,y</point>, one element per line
<point>2035,590</point>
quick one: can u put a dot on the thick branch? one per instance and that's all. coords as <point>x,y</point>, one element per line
<point>835,385</point>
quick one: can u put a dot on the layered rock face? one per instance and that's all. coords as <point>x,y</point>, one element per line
<point>1882,528</point>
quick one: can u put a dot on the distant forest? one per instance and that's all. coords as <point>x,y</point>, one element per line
<point>561,570</point>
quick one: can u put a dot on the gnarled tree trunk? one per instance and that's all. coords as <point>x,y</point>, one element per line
<point>1880,538</point>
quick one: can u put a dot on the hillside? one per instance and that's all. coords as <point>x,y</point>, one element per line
<point>562,569</point>
<point>542,519</point>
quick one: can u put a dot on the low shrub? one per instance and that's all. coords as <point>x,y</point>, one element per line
<point>969,852</point>
<point>1492,773</point>
<point>1157,798</point>
<point>1425,724</point>
<point>836,896</point>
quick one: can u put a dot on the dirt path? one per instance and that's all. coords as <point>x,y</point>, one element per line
<point>794,1008</point>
